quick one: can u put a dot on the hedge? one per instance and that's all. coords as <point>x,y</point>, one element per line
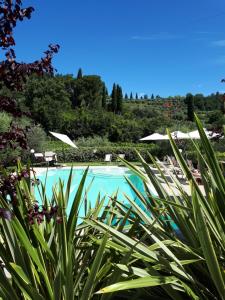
<point>91,154</point>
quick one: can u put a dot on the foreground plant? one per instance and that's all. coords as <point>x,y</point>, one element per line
<point>169,246</point>
<point>174,245</point>
<point>45,253</point>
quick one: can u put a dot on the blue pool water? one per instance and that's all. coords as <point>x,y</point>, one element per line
<point>104,180</point>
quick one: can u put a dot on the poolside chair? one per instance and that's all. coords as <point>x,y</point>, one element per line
<point>175,167</point>
<point>197,175</point>
<point>190,164</point>
<point>108,158</point>
<point>121,155</point>
<point>39,157</point>
<point>50,157</point>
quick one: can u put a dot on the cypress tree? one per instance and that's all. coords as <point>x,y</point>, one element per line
<point>190,107</point>
<point>126,97</point>
<point>119,99</point>
<point>79,73</point>
<point>104,94</point>
<point>131,95</point>
<point>152,97</point>
<point>136,97</point>
<point>114,98</point>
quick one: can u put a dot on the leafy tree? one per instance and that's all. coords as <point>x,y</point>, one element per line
<point>70,88</point>
<point>114,134</point>
<point>145,96</point>
<point>47,99</point>
<point>199,101</point>
<point>189,100</point>
<point>79,73</point>
<point>216,119</point>
<point>88,91</point>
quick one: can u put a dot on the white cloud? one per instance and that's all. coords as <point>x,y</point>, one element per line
<point>157,36</point>
<point>220,60</point>
<point>219,43</point>
<point>206,32</point>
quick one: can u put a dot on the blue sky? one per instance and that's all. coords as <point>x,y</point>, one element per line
<point>147,46</point>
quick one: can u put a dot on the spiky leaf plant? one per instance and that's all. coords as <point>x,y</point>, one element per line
<point>174,243</point>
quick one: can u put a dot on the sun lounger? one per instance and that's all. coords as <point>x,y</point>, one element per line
<point>108,158</point>
<point>197,175</point>
<point>50,157</point>
<point>39,157</point>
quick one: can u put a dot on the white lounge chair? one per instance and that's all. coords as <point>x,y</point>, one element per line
<point>121,155</point>
<point>50,157</point>
<point>108,158</point>
<point>39,157</point>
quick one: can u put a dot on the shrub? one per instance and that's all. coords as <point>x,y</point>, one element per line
<point>91,154</point>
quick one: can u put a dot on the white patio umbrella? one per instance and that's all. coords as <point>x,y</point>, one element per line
<point>154,137</point>
<point>64,138</point>
<point>195,134</point>
<point>179,135</point>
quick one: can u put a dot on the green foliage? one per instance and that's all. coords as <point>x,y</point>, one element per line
<point>80,107</point>
<point>97,153</point>
<point>39,95</point>
<point>55,259</point>
<point>8,156</point>
<point>177,241</point>
<point>189,100</point>
<point>5,120</point>
<point>169,246</point>
<point>95,141</point>
<point>88,92</point>
<point>119,99</point>
<point>115,134</point>
<point>36,138</point>
<point>104,97</point>
<point>79,73</point>
<point>114,99</point>
<point>216,119</point>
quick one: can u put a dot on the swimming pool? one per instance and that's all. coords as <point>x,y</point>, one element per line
<point>105,181</point>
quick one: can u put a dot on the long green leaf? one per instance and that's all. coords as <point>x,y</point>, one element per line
<point>147,281</point>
